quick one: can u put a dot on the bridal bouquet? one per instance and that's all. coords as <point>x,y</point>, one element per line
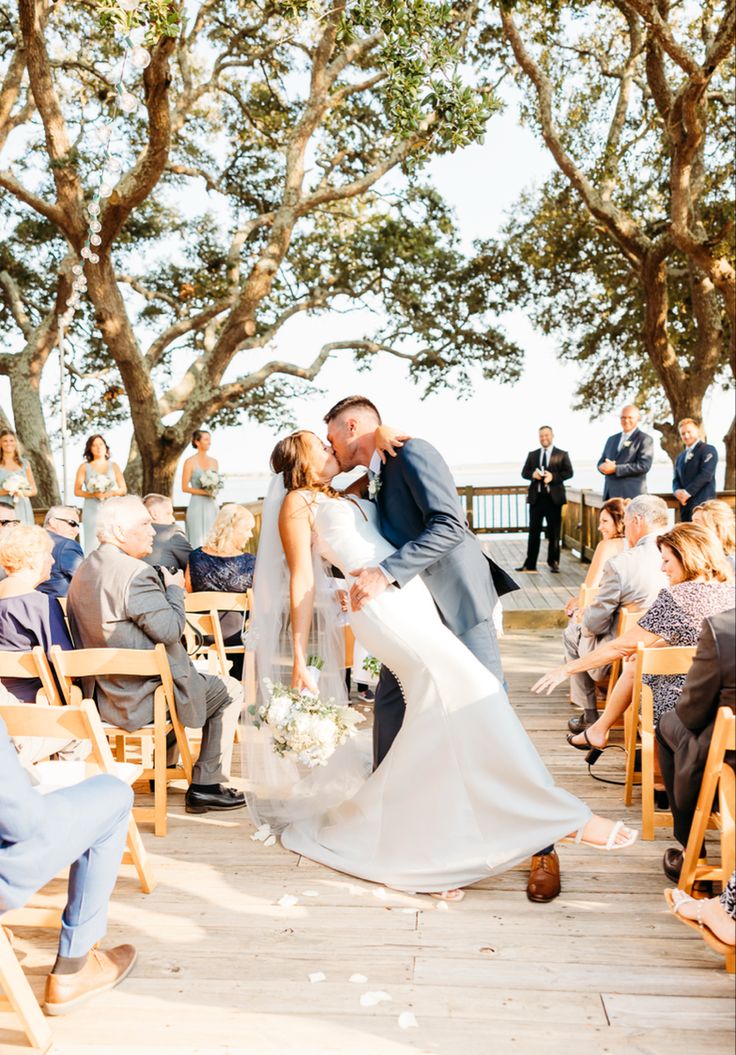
<point>303,726</point>
<point>211,481</point>
<point>99,484</point>
<point>17,487</point>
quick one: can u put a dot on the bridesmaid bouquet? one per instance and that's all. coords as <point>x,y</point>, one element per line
<point>99,484</point>
<point>211,481</point>
<point>304,727</point>
<point>17,487</point>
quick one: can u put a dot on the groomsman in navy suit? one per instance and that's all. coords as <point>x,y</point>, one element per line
<point>627,458</point>
<point>694,481</point>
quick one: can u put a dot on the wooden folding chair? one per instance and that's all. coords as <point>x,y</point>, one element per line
<point>719,777</point>
<point>19,996</point>
<point>203,611</point>
<point>587,595</point>
<point>657,661</point>
<point>28,665</point>
<point>142,663</point>
<point>82,722</point>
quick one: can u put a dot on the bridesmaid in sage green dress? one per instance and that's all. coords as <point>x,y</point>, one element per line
<point>202,508</point>
<point>13,463</point>
<point>96,462</point>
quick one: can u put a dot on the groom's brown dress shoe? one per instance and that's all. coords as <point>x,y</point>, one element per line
<point>544,877</point>
<point>102,971</point>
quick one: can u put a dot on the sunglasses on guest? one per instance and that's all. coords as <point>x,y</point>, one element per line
<point>71,523</point>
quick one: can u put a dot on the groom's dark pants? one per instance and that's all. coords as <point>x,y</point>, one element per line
<point>388,710</point>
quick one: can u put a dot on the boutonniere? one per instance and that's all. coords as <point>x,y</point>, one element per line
<point>374,486</point>
<point>626,443</point>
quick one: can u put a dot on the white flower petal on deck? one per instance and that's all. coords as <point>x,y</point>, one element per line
<point>261,834</point>
<point>359,979</point>
<point>442,906</point>
<point>318,976</point>
<point>287,901</point>
<point>371,999</point>
<point>407,1020</point>
<point>381,893</point>
<point>310,893</point>
<point>409,911</point>
<point>270,841</point>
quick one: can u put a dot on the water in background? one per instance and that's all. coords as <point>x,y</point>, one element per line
<point>249,487</point>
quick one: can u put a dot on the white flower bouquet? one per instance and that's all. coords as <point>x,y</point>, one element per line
<point>303,726</point>
<point>99,484</point>
<point>18,487</point>
<point>211,481</point>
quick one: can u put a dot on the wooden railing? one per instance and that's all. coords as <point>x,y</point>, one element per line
<point>503,510</point>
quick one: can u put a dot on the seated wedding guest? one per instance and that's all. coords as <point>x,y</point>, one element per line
<point>612,531</point>
<point>631,578</point>
<point>714,917</point>
<point>684,734</point>
<point>116,600</point>
<point>700,585</point>
<point>8,516</point>
<point>170,546</point>
<point>694,481</point>
<point>82,827</point>
<point>27,617</point>
<point>222,565</point>
<point>719,517</point>
<point>62,524</point>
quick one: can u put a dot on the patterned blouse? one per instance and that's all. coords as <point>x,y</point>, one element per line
<point>677,616</point>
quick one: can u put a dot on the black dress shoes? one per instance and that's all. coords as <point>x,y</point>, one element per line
<point>581,721</point>
<point>555,568</point>
<point>215,798</point>
<point>672,864</point>
<point>524,568</point>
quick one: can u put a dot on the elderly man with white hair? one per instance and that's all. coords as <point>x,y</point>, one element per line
<point>632,579</point>
<point>62,523</point>
<point>627,458</point>
<point>116,600</point>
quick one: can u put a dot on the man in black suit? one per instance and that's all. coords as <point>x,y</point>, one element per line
<point>547,467</point>
<point>695,470</point>
<point>170,547</point>
<point>684,735</point>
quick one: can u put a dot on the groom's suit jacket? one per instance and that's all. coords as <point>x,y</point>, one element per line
<point>420,514</point>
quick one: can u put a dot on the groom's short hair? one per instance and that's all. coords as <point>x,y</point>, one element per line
<point>352,403</point>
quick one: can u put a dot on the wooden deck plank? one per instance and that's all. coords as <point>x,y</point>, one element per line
<point>223,970</point>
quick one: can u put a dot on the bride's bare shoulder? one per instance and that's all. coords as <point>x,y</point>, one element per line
<point>298,504</point>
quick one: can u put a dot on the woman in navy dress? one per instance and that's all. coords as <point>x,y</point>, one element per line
<point>28,617</point>
<point>222,565</point>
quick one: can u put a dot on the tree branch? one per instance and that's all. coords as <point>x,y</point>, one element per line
<point>17,307</point>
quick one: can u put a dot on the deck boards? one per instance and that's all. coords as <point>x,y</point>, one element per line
<point>543,592</point>
<point>223,970</point>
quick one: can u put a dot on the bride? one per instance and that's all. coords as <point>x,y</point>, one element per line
<point>462,794</point>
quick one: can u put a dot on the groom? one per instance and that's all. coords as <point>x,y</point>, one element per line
<point>419,513</point>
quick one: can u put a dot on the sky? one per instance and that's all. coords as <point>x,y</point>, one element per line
<point>499,423</point>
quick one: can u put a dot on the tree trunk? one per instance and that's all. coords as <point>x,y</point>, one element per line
<point>730,440</point>
<point>152,467</point>
<point>31,429</point>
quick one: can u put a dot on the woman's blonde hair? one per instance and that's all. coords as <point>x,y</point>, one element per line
<point>698,550</point>
<point>221,533</point>
<point>721,520</point>
<point>21,544</point>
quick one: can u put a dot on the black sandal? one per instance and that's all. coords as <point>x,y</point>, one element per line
<point>594,753</point>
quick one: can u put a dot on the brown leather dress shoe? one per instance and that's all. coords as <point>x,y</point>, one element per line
<point>544,877</point>
<point>102,971</point>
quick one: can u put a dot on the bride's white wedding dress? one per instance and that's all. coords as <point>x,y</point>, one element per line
<point>462,794</point>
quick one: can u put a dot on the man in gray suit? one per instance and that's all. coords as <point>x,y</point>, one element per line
<point>632,578</point>
<point>117,601</point>
<point>627,458</point>
<point>84,828</point>
<point>170,546</point>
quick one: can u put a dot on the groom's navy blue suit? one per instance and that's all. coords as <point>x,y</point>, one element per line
<point>420,514</point>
